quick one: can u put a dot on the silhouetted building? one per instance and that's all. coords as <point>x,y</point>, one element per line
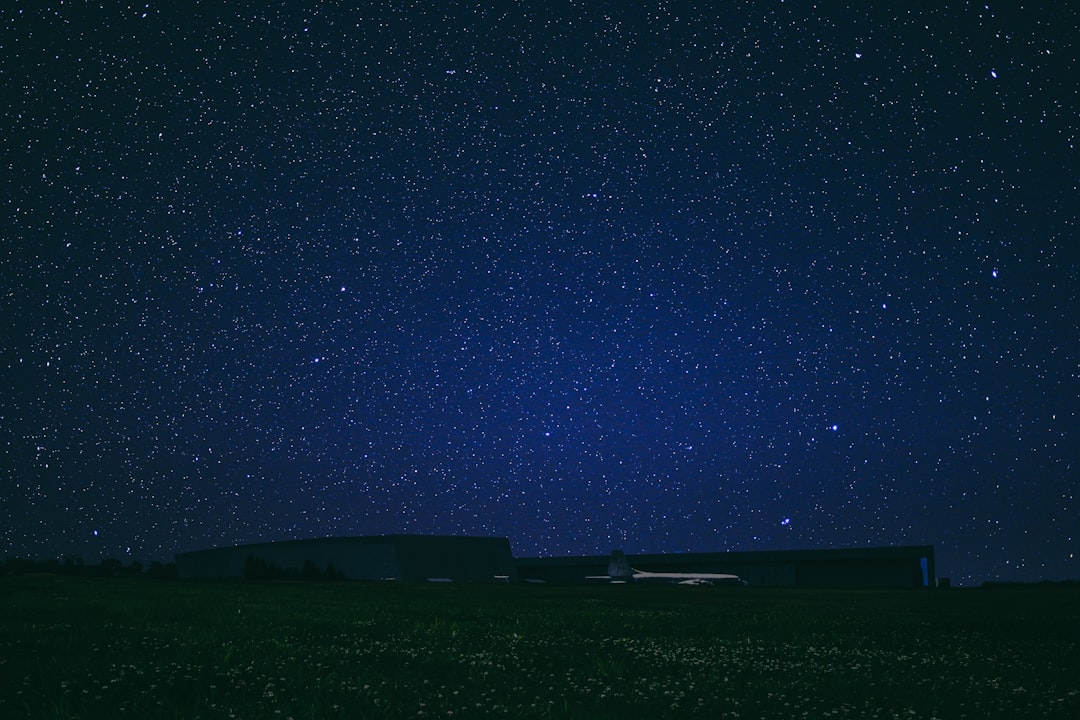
<point>887,567</point>
<point>384,557</point>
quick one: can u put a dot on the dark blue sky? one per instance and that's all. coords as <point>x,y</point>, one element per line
<point>678,276</point>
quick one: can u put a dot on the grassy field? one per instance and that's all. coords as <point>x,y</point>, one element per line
<point>84,648</point>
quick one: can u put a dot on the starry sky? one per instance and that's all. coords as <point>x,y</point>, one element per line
<point>661,276</point>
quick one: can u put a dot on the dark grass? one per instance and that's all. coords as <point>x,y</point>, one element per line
<point>86,648</point>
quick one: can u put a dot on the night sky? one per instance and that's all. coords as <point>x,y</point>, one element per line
<point>589,275</point>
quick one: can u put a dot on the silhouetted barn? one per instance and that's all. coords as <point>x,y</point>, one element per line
<point>383,557</point>
<point>887,567</point>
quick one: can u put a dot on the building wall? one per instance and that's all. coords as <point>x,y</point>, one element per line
<point>869,573</point>
<point>562,571</point>
<point>772,574</point>
<point>462,559</point>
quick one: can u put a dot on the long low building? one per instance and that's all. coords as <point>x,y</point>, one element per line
<point>411,558</point>
<point>417,558</point>
<point>887,567</point>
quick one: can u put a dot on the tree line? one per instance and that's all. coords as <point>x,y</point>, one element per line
<point>75,565</point>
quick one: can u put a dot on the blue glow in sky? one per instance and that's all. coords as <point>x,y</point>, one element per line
<point>585,275</point>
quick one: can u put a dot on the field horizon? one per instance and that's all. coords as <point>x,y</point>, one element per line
<point>136,647</point>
